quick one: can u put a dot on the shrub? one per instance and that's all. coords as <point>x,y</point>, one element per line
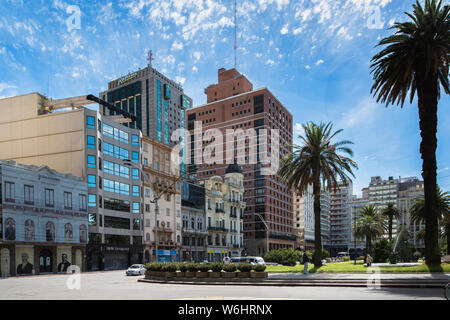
<point>183,267</point>
<point>216,266</point>
<point>393,258</point>
<point>244,267</point>
<point>259,268</point>
<point>154,266</point>
<point>287,257</point>
<point>169,267</point>
<point>203,268</point>
<point>328,259</point>
<point>361,258</point>
<point>417,255</point>
<point>230,267</point>
<point>382,250</point>
<point>346,258</point>
<point>405,249</point>
<point>192,267</point>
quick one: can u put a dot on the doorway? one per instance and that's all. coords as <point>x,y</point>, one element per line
<point>45,261</point>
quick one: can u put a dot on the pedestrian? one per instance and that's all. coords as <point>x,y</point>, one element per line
<point>305,261</point>
<point>369,260</point>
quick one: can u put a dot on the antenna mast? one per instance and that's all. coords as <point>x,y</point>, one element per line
<point>235,33</point>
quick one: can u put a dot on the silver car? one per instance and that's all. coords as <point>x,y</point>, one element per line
<point>136,270</point>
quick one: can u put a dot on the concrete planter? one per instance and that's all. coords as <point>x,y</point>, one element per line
<point>168,275</point>
<point>214,275</point>
<point>229,275</point>
<point>243,275</point>
<point>259,275</point>
<point>202,275</point>
<point>180,274</point>
<point>189,274</point>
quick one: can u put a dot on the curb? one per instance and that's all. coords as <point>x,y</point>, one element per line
<point>329,283</point>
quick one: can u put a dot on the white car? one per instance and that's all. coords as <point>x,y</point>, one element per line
<point>136,270</point>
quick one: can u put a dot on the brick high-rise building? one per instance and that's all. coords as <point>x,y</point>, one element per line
<point>233,104</point>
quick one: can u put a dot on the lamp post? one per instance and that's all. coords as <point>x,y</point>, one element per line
<point>354,237</point>
<point>267,231</point>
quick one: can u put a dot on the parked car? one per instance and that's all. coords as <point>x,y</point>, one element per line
<point>136,270</point>
<point>205,262</point>
<point>251,260</point>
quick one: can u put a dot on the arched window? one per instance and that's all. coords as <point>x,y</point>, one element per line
<point>68,232</point>
<point>83,233</point>
<point>10,229</point>
<point>50,231</point>
<point>29,230</point>
<point>147,237</point>
<point>192,223</point>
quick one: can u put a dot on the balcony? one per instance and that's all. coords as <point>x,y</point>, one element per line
<point>220,229</point>
<point>219,210</point>
<point>236,246</point>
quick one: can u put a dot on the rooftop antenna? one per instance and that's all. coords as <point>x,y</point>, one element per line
<point>235,33</point>
<point>150,57</point>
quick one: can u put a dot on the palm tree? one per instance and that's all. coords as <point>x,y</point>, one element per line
<point>391,212</point>
<point>369,225</point>
<point>318,162</point>
<point>417,60</point>
<point>418,215</point>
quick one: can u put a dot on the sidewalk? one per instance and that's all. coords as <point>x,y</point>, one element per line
<point>360,276</point>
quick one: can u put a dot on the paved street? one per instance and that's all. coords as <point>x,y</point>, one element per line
<point>115,285</point>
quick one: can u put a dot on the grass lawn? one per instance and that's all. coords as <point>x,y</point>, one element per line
<point>350,267</point>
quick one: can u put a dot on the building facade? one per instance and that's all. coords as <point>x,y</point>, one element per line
<point>91,146</point>
<point>162,218</point>
<point>158,103</point>
<point>304,219</point>
<point>357,246</point>
<point>194,232</point>
<point>340,218</point>
<point>224,214</point>
<point>44,220</point>
<point>233,104</point>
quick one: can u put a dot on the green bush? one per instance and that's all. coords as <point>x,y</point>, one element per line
<point>183,267</point>
<point>286,257</point>
<point>230,267</point>
<point>328,259</point>
<point>361,258</point>
<point>346,258</point>
<point>153,266</point>
<point>417,255</point>
<point>203,267</point>
<point>259,268</point>
<point>393,258</point>
<point>405,249</point>
<point>169,267</point>
<point>382,250</point>
<point>244,267</point>
<point>192,267</point>
<point>216,266</point>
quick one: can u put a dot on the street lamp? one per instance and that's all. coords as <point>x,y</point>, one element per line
<point>267,231</point>
<point>354,237</point>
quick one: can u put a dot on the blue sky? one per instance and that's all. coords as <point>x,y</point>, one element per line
<point>314,55</point>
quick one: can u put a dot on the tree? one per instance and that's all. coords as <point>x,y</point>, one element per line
<point>418,215</point>
<point>416,59</point>
<point>318,162</point>
<point>382,250</point>
<point>391,212</point>
<point>369,225</point>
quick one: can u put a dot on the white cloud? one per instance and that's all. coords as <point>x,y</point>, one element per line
<point>180,80</point>
<point>270,62</point>
<point>177,46</point>
<point>307,67</point>
<point>284,30</point>
<point>319,62</point>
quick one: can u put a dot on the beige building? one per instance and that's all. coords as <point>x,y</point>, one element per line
<point>69,138</point>
<point>162,223</point>
<point>225,206</point>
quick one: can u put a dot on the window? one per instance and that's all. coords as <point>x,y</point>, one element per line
<point>108,130</point>
<point>117,205</point>
<point>91,142</point>
<point>83,206</point>
<point>91,162</point>
<point>123,137</point>
<point>135,157</point>
<point>135,173</point>
<point>50,231</point>
<point>136,224</point>
<point>136,192</point>
<point>92,200</point>
<point>10,229</point>
<point>90,122</point>
<point>92,181</point>
<point>68,200</point>
<point>135,140</point>
<point>49,198</point>
<point>28,194</point>
<point>92,220</point>
<point>117,223</point>
<point>136,207</point>
<point>10,191</point>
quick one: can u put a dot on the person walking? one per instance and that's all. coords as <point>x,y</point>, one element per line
<point>369,260</point>
<point>305,261</point>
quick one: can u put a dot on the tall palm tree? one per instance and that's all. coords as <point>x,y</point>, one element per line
<point>391,212</point>
<point>418,215</point>
<point>369,225</point>
<point>417,60</point>
<point>318,162</point>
